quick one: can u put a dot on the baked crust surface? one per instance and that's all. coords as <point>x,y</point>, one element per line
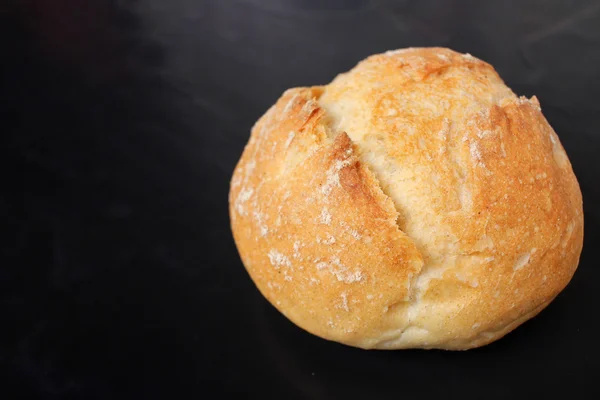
<point>414,202</point>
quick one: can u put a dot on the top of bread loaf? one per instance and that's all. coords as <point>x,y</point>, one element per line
<point>415,201</point>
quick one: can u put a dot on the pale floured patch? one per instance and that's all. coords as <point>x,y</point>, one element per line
<point>289,139</point>
<point>325,217</point>
<point>344,303</point>
<point>333,177</point>
<point>264,229</point>
<point>521,261</point>
<point>278,259</point>
<point>244,195</point>
<point>341,272</point>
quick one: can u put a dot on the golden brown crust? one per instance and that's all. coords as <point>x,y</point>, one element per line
<point>413,202</point>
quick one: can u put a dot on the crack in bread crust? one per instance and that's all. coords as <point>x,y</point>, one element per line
<point>413,286</point>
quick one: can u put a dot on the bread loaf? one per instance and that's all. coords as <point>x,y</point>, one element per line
<point>414,202</point>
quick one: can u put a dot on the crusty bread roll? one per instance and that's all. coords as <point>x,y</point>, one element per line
<point>414,202</point>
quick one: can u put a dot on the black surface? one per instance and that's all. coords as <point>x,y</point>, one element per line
<point>121,122</point>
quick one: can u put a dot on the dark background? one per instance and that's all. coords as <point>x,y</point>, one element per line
<point>121,123</point>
